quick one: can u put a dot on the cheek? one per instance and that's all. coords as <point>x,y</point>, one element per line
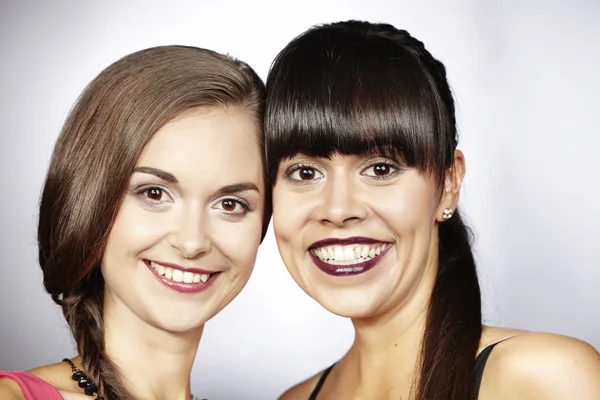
<point>288,214</point>
<point>135,229</point>
<point>403,214</point>
<point>281,227</point>
<point>408,208</point>
<point>291,213</point>
<point>238,241</point>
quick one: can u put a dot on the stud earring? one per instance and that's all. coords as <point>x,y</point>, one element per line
<point>447,213</point>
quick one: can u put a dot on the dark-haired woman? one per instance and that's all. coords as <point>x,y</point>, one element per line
<point>150,220</point>
<point>361,145</point>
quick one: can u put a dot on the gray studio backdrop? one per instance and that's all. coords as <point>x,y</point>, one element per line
<point>525,74</point>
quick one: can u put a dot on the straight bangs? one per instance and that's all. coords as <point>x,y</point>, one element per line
<point>334,92</point>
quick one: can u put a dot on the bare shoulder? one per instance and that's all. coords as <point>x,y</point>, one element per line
<point>57,375</point>
<point>302,390</point>
<point>10,390</point>
<point>542,366</point>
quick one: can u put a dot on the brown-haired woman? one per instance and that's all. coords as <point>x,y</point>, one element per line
<point>361,145</point>
<point>150,220</point>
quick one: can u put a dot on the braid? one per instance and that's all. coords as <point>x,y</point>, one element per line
<point>437,72</point>
<point>446,135</point>
<point>83,312</point>
<point>453,327</point>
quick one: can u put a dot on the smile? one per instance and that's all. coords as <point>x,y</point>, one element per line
<point>182,280</point>
<point>353,256</point>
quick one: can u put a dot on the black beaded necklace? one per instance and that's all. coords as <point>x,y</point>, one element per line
<point>89,387</point>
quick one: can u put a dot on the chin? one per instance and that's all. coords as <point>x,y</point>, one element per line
<point>354,307</point>
<point>178,324</point>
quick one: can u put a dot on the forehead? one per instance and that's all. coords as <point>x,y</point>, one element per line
<point>214,143</point>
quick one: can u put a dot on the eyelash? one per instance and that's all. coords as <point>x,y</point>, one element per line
<point>394,167</point>
<point>297,167</point>
<point>245,205</point>
<point>394,170</point>
<point>140,192</point>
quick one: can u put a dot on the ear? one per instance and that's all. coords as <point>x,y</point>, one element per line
<point>451,190</point>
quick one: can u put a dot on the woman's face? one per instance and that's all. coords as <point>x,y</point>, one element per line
<point>357,233</point>
<point>185,238</point>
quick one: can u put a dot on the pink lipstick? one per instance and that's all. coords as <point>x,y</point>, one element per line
<point>180,279</point>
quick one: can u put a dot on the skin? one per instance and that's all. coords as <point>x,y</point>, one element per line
<point>358,195</point>
<point>189,222</point>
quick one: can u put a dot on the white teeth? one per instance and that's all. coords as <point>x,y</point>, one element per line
<point>365,252</point>
<point>349,255</point>
<point>330,253</point>
<point>178,275</point>
<point>188,277</point>
<point>338,253</point>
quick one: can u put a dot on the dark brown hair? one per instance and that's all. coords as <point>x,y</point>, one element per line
<point>96,152</point>
<point>357,87</point>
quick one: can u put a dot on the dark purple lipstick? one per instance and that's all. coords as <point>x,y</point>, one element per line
<point>346,269</point>
<point>343,241</point>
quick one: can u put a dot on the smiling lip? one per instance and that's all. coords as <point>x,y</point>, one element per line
<point>350,269</point>
<point>183,287</point>
<point>179,267</point>
<point>344,241</point>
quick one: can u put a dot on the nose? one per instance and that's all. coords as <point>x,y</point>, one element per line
<point>190,237</point>
<point>340,204</point>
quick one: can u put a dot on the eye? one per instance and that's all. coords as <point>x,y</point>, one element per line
<point>303,173</point>
<point>380,170</point>
<point>154,194</point>
<point>153,197</point>
<point>232,206</point>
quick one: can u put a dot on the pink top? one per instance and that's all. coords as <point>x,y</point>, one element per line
<point>33,387</point>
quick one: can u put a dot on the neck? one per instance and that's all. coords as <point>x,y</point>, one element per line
<point>153,363</point>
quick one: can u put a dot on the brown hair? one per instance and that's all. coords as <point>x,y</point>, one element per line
<point>352,87</point>
<point>96,152</point>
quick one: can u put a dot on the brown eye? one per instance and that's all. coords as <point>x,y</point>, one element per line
<point>381,169</point>
<point>154,194</point>
<point>228,205</point>
<point>304,173</point>
<point>233,207</point>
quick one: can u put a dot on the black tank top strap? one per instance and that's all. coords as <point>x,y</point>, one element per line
<point>480,362</point>
<point>317,389</point>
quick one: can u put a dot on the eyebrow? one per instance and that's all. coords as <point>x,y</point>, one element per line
<point>164,175</point>
<point>238,187</point>
<point>169,177</point>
